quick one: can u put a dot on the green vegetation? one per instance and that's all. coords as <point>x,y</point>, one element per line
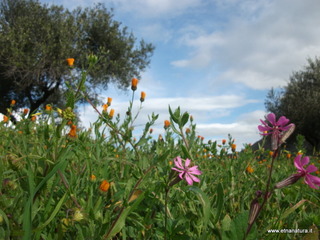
<point>62,182</point>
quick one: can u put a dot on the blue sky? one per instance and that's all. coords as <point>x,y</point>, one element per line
<point>216,59</point>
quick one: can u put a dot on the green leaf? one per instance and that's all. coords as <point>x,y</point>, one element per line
<point>186,152</point>
<point>184,119</point>
<point>219,203</point>
<point>173,115</point>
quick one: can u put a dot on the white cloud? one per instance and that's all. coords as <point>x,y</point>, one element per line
<point>155,8</point>
<point>262,48</point>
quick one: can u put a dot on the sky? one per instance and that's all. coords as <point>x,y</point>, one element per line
<point>216,59</point>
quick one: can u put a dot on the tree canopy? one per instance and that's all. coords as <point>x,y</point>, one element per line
<point>299,101</point>
<point>36,39</point>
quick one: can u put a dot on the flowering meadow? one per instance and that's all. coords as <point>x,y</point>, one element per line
<point>63,182</point>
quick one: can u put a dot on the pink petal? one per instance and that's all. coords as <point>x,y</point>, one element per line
<point>314,179</point>
<point>181,175</point>
<point>272,118</point>
<point>309,180</point>
<point>178,170</point>
<point>178,162</point>
<point>195,171</point>
<point>311,168</point>
<point>283,121</point>
<point>305,161</point>
<point>263,128</point>
<point>195,179</point>
<point>297,163</point>
<point>189,179</point>
<point>187,163</point>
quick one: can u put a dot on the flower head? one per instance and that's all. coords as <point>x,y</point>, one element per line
<point>111,114</point>
<point>13,102</point>
<point>104,186</point>
<point>166,124</point>
<point>73,131</point>
<point>70,61</point>
<point>5,118</point>
<point>186,171</point>
<point>134,83</point>
<point>276,130</point>
<point>309,179</point>
<point>143,96</point>
<point>109,101</point>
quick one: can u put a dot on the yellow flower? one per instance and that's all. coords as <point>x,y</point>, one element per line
<point>134,83</point>
<point>143,96</point>
<point>166,124</point>
<point>70,61</point>
<point>78,215</point>
<point>104,186</point>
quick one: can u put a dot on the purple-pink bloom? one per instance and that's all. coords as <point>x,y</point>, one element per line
<point>309,179</point>
<point>276,128</point>
<point>186,171</point>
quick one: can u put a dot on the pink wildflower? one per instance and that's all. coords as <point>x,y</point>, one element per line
<point>276,130</point>
<point>309,179</point>
<point>186,171</point>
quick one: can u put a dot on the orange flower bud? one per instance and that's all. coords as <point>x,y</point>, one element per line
<point>13,102</point>
<point>134,83</point>
<point>111,114</point>
<point>224,141</point>
<point>104,186</point>
<point>33,118</point>
<point>93,177</point>
<point>188,130</point>
<point>270,153</point>
<point>249,169</point>
<point>166,124</point>
<point>70,61</point>
<point>105,107</point>
<point>48,107</point>
<point>73,131</point>
<point>143,96</point>
<point>288,155</point>
<point>109,101</point>
<point>5,118</point>
<point>151,130</point>
<point>25,111</point>
<point>233,147</point>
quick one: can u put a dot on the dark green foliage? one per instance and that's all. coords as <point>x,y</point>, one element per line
<point>299,101</point>
<point>36,39</point>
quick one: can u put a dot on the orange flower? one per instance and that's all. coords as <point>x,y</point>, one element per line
<point>25,111</point>
<point>109,101</point>
<point>70,61</point>
<point>5,118</point>
<point>73,131</point>
<point>105,107</point>
<point>233,147</point>
<point>134,83</point>
<point>143,96</point>
<point>33,118</point>
<point>288,155</point>
<point>13,102</point>
<point>48,108</point>
<point>166,124</point>
<point>188,130</point>
<point>151,131</point>
<point>93,177</point>
<point>104,186</point>
<point>249,169</point>
<point>111,114</point>
<point>224,141</point>
<point>270,153</point>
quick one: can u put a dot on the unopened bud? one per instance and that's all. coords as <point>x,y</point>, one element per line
<point>288,181</point>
